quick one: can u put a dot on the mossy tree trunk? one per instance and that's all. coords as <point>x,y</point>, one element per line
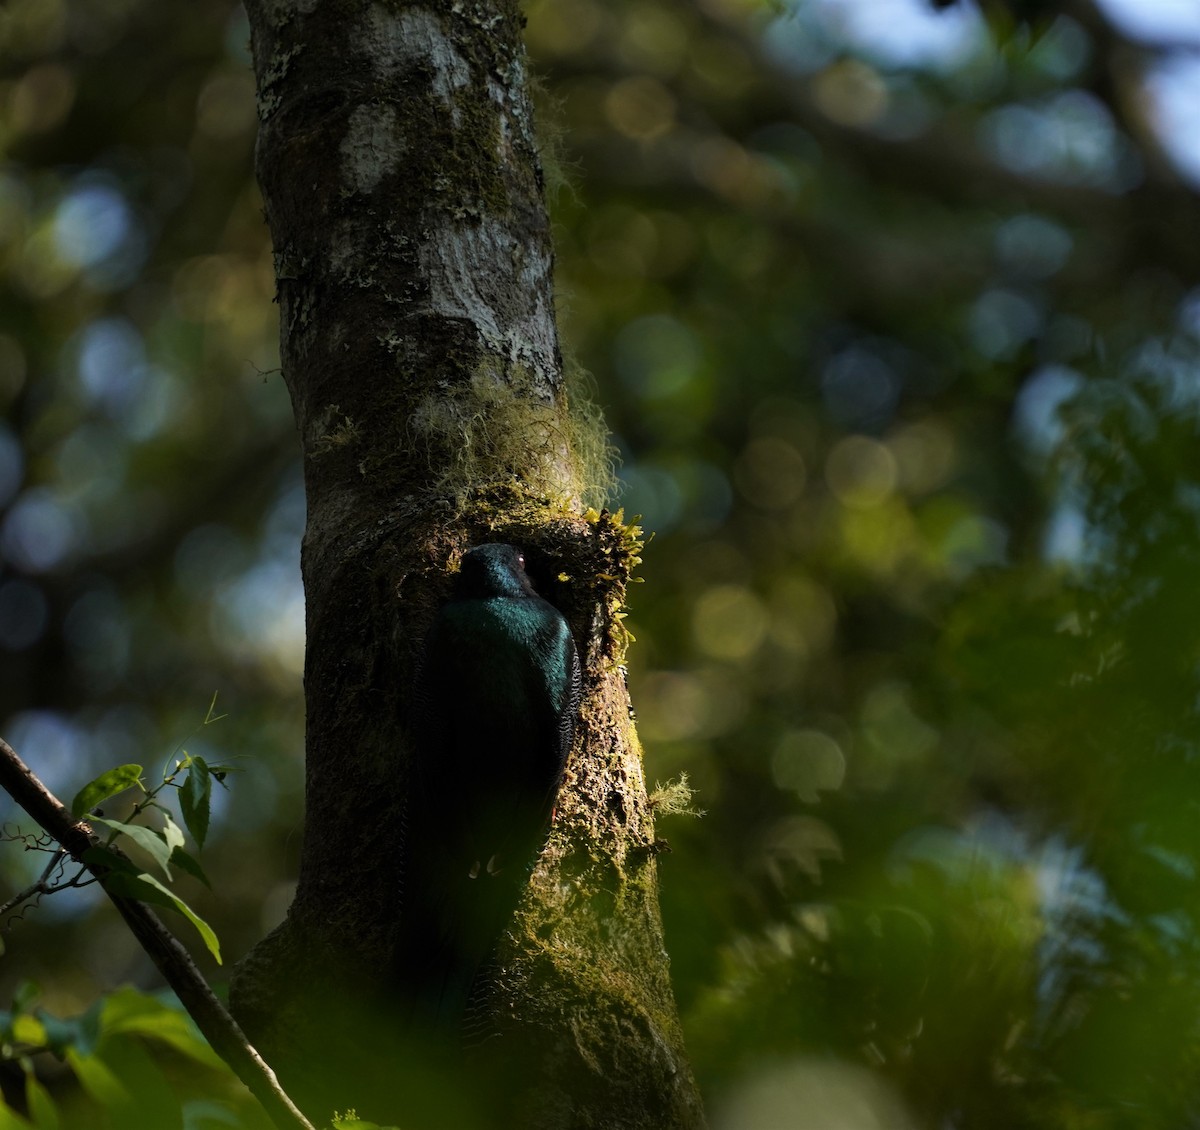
<point>402,186</point>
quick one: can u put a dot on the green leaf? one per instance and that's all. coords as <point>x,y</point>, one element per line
<point>9,1120</point>
<point>100,1082</point>
<point>191,865</point>
<point>172,833</point>
<point>81,1032</point>
<point>107,784</point>
<point>25,995</point>
<point>147,839</point>
<point>146,888</point>
<point>130,886</point>
<point>28,1029</point>
<point>125,1080</point>
<point>194,796</point>
<point>100,856</point>
<point>128,1011</point>
<point>41,1106</point>
<point>89,1027</point>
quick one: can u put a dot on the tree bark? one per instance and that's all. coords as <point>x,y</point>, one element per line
<point>402,186</point>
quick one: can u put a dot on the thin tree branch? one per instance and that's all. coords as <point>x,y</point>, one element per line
<point>164,949</point>
<point>41,887</point>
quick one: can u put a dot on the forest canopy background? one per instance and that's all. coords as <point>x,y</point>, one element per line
<point>892,313</point>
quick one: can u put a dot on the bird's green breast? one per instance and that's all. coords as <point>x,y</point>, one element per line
<point>500,643</point>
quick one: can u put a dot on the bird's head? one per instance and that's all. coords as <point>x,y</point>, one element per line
<point>493,570</point>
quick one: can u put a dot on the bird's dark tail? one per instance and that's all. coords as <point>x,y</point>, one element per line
<point>450,1000</point>
<point>479,1016</point>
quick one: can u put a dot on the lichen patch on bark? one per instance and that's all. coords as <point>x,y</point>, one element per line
<point>474,271</point>
<point>372,147</point>
<point>394,41</point>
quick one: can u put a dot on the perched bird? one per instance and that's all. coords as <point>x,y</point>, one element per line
<point>496,700</point>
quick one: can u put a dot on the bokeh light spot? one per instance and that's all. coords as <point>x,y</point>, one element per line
<point>973,541</point>
<point>38,532</point>
<point>621,241</point>
<point>1070,137</point>
<point>798,844</point>
<point>729,622</point>
<point>1160,21</point>
<point>225,108</point>
<point>723,166</point>
<point>671,706</point>
<point>41,99</point>
<point>653,39</point>
<point>1066,535</point>
<point>795,47</point>
<point>1036,416</point>
<point>91,224</point>
<point>860,388</point>
<point>807,762</point>
<point>40,269</point>
<point>656,356</point>
<point>904,33</point>
<point>1033,246</point>
<point>851,93</point>
<point>770,473</point>
<point>878,538</point>
<point>653,493</point>
<point>261,614</point>
<point>284,526</point>
<point>1062,50</point>
<point>111,364</point>
<point>563,27</point>
<point>708,497</point>
<point>1174,88</point>
<point>924,454</point>
<point>640,107</point>
<point>91,464</point>
<point>896,738</point>
<point>1001,321</point>
<point>677,706</point>
<point>803,617</point>
<point>55,747</point>
<point>861,472</point>
<point>958,538</point>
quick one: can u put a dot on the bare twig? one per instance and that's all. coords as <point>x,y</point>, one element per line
<point>42,886</point>
<point>172,960</point>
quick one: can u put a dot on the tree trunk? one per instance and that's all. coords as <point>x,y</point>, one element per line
<point>403,190</point>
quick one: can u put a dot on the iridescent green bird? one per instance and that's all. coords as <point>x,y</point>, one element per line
<point>496,701</point>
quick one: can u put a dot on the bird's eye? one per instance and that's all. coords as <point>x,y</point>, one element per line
<point>521,560</point>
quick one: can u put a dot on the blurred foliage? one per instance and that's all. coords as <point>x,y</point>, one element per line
<point>97,1069</point>
<point>889,311</point>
